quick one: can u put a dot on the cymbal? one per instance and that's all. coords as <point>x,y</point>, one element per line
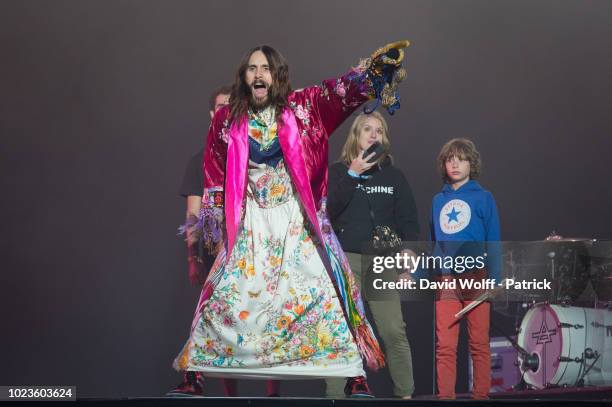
<point>554,241</point>
<point>570,239</point>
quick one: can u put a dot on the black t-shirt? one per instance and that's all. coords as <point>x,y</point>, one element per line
<point>387,193</point>
<point>193,180</point>
<point>193,185</point>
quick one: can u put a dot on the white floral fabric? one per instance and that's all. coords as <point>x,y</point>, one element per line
<point>274,312</point>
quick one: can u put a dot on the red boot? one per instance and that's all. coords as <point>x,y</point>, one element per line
<point>357,387</point>
<point>191,386</point>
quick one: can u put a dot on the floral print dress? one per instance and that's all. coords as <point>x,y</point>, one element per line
<point>274,312</point>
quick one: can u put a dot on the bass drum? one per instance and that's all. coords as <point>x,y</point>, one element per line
<point>566,346</point>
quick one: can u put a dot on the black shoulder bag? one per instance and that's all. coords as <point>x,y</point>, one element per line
<point>384,239</point>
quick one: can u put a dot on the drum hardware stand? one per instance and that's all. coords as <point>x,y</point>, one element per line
<point>566,301</point>
<point>513,267</point>
<point>580,381</point>
<point>522,384</point>
<point>587,354</point>
<point>551,255</point>
<point>530,360</point>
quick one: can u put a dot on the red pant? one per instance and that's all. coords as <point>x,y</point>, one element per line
<point>447,334</point>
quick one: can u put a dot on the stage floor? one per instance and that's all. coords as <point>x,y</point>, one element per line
<point>322,402</point>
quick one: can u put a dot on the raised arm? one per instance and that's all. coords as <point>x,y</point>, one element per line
<point>376,77</point>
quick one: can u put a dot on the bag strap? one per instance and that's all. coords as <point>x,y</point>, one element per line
<point>370,210</point>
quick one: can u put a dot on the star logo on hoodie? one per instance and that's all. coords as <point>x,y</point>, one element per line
<point>455,216</point>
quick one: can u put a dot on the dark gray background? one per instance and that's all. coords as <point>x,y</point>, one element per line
<point>103,102</point>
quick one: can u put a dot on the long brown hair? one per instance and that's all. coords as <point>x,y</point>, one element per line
<point>278,91</point>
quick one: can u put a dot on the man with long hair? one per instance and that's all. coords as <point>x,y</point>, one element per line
<point>280,300</point>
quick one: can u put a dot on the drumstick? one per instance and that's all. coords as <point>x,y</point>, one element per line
<point>479,300</point>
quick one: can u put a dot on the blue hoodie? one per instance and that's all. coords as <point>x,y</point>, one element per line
<point>468,214</point>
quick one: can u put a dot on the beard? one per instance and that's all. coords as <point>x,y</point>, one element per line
<point>257,103</point>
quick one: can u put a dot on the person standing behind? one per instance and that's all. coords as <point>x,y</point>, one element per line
<point>356,187</point>
<point>198,262</point>
<point>463,212</point>
<point>192,188</point>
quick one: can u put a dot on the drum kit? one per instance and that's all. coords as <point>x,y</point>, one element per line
<point>565,339</point>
